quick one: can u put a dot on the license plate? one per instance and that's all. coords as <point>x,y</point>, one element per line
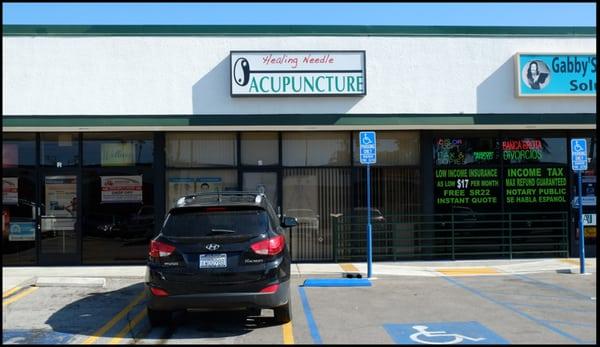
<point>210,261</point>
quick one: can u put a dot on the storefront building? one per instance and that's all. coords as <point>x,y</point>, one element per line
<point>104,127</point>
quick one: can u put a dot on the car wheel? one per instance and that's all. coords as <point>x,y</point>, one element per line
<point>283,314</point>
<point>158,318</point>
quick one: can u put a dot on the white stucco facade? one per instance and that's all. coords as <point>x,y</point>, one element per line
<point>148,75</point>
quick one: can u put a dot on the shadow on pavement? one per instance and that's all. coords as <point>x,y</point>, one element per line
<point>88,315</point>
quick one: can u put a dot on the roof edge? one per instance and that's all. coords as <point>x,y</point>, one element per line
<point>292,30</point>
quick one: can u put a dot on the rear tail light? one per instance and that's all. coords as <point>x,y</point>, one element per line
<point>270,289</point>
<point>158,292</point>
<point>212,209</point>
<point>159,249</point>
<point>271,246</point>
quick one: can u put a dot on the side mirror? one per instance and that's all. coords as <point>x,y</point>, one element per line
<point>289,222</point>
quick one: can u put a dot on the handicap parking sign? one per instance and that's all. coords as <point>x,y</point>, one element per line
<point>444,333</point>
<point>578,154</point>
<point>368,147</point>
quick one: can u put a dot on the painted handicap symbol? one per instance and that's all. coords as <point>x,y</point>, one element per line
<point>436,335</point>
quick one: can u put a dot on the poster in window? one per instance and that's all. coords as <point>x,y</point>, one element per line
<point>61,201</point>
<point>10,190</point>
<point>121,189</point>
<point>182,186</point>
<point>21,231</point>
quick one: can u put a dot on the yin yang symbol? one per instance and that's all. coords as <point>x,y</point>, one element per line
<point>241,72</point>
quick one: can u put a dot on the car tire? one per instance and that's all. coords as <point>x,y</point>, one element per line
<point>158,318</point>
<point>283,314</point>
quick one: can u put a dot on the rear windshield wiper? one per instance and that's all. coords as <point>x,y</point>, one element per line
<point>221,231</point>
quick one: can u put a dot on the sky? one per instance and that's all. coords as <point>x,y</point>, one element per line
<point>453,14</point>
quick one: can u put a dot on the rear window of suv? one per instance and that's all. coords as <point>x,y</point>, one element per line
<point>213,221</point>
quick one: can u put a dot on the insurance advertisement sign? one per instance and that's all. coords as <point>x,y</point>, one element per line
<point>121,189</point>
<point>297,73</point>
<point>546,74</point>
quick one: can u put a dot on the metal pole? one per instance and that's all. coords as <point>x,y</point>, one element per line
<point>581,244</point>
<point>369,229</point>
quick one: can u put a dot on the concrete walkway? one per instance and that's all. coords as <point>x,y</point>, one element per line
<point>23,276</point>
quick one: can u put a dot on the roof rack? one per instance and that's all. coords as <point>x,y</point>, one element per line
<point>217,197</point>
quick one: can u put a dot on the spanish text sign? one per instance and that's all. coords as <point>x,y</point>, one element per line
<point>444,333</point>
<point>555,74</point>
<point>297,73</point>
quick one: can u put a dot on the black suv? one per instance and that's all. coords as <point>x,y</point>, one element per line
<point>220,251</point>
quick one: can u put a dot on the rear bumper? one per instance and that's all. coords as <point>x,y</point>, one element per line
<point>219,300</point>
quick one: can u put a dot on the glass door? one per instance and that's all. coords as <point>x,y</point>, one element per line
<point>59,222</point>
<point>263,181</point>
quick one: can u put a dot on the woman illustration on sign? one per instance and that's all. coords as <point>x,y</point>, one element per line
<point>535,78</point>
<point>72,207</point>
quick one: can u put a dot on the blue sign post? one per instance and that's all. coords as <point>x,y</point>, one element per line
<point>368,156</point>
<point>579,163</point>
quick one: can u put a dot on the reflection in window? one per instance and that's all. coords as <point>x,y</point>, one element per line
<point>201,149</point>
<point>18,217</point>
<point>59,149</point>
<point>393,148</point>
<point>316,148</point>
<point>124,149</point>
<point>313,195</point>
<point>18,150</point>
<point>184,182</point>
<point>116,232</point>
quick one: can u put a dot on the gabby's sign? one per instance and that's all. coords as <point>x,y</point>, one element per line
<point>555,74</point>
<point>297,73</point>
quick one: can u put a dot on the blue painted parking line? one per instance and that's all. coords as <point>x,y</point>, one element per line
<point>546,307</point>
<point>572,323</point>
<point>550,285</point>
<point>35,337</point>
<point>519,312</point>
<point>534,296</point>
<point>466,333</point>
<point>312,326</point>
<point>337,282</point>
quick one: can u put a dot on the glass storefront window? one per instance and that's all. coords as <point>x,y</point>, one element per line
<point>18,150</point>
<point>125,149</point>
<point>393,148</point>
<point>260,148</point>
<point>184,182</point>
<point>463,151</point>
<point>19,212</point>
<point>534,150</point>
<point>201,149</point>
<point>118,215</point>
<point>59,149</point>
<point>466,174</point>
<point>316,149</point>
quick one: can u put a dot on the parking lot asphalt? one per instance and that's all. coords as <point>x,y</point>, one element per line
<point>462,304</point>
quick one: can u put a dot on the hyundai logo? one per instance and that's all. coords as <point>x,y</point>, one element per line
<point>212,246</point>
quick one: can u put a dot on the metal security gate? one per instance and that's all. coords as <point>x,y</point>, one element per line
<point>453,236</point>
<point>315,196</point>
